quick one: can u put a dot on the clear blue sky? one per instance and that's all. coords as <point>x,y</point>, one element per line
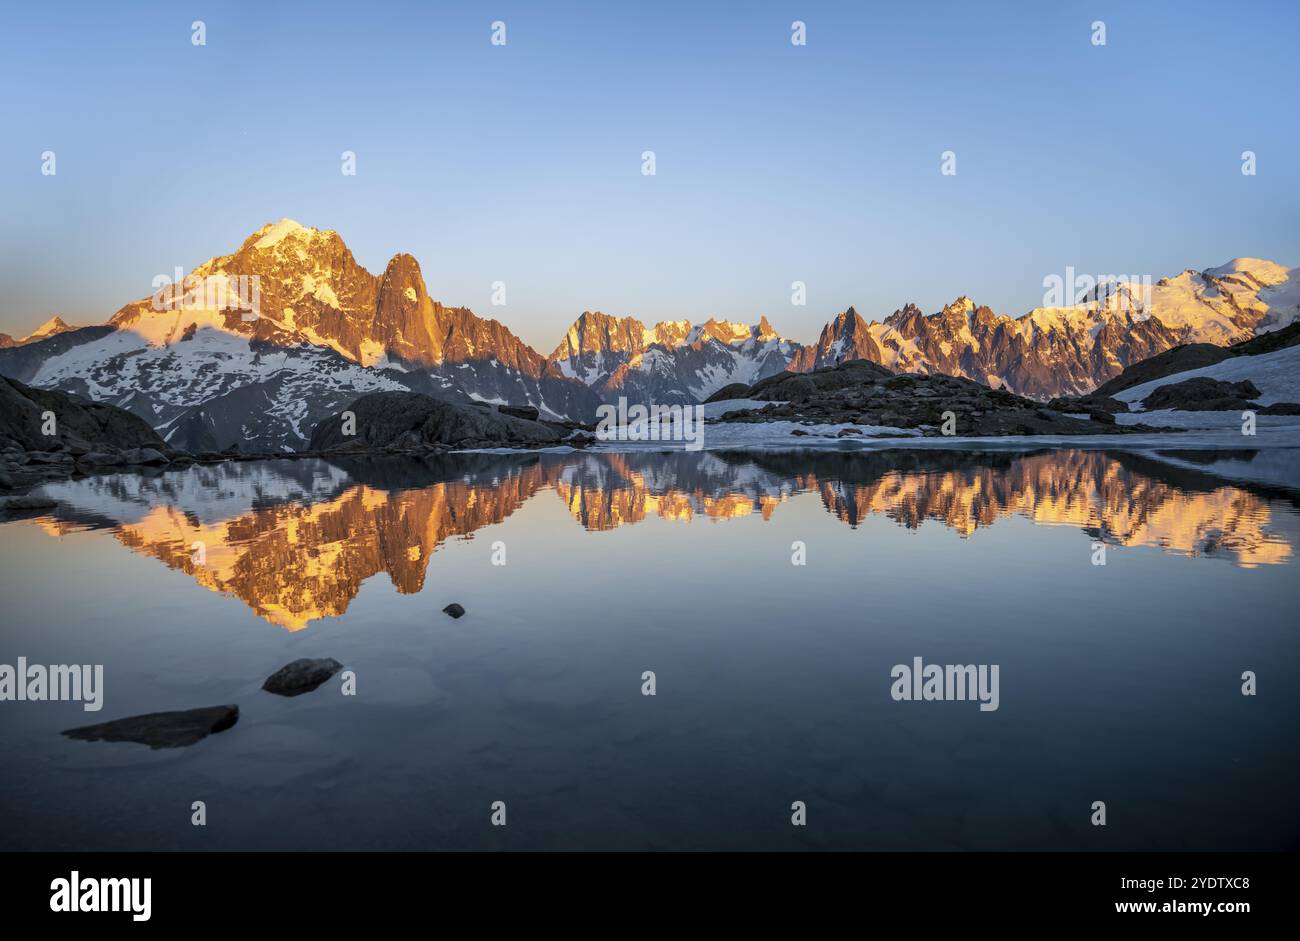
<point>775,163</point>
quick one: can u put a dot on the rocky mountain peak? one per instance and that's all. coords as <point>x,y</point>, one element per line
<point>54,325</point>
<point>962,305</point>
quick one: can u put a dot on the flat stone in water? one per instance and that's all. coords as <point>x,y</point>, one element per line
<point>161,729</point>
<point>301,676</point>
<point>454,610</point>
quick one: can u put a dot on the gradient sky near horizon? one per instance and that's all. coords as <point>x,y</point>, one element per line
<point>775,163</point>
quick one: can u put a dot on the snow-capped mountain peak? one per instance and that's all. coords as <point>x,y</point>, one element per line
<point>273,233</point>
<point>254,347</point>
<point>54,325</point>
<point>673,362</point>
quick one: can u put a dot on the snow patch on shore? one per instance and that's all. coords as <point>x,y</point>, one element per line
<point>1276,375</point>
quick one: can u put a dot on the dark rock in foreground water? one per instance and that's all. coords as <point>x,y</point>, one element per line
<point>454,610</point>
<point>161,729</point>
<point>301,676</point>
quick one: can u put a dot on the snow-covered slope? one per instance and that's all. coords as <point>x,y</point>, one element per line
<point>1276,375</point>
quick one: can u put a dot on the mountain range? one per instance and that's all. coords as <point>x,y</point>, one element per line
<point>208,376</point>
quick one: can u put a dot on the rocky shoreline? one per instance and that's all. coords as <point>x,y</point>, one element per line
<point>92,438</point>
<point>48,435</point>
<point>865,394</point>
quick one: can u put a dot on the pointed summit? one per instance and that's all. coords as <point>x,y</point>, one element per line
<point>845,338</point>
<point>52,326</point>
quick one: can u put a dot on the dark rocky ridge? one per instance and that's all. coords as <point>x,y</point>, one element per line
<point>1202,394</point>
<point>865,393</point>
<point>88,436</point>
<point>410,421</point>
<point>79,423</point>
<point>736,390</point>
<point>1196,356</point>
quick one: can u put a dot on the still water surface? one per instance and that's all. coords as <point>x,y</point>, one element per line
<point>1118,682</point>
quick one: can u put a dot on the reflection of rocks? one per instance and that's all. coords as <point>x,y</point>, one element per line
<point>301,676</point>
<point>25,506</point>
<point>161,729</point>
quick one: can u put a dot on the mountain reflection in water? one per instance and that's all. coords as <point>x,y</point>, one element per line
<point>295,540</point>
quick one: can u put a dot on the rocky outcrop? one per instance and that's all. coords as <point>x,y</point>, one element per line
<point>26,414</point>
<point>1172,361</point>
<point>1203,394</point>
<point>1099,407</point>
<point>864,393</point>
<point>735,390</point>
<point>1196,356</point>
<point>85,436</point>
<point>410,421</point>
<point>161,729</point>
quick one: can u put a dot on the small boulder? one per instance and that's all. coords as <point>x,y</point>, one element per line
<point>301,676</point>
<point>454,610</point>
